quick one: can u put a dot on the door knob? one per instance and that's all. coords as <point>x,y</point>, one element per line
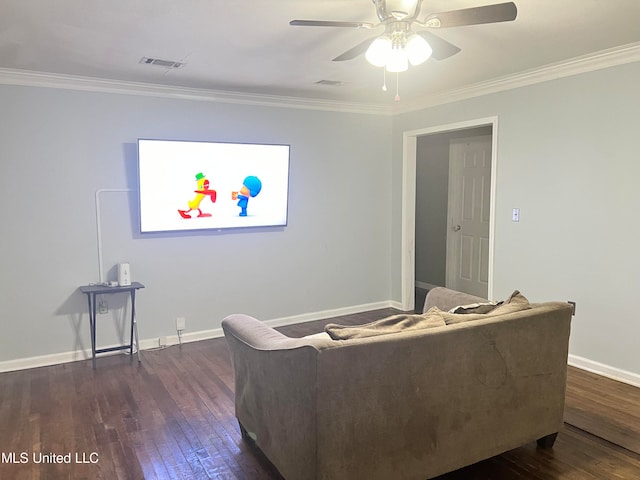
<point>457,228</point>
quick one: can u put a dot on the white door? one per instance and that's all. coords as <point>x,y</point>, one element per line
<point>469,215</point>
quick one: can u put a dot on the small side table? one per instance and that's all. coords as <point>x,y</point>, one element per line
<point>91,291</point>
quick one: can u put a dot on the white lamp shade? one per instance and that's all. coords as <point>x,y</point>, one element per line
<point>378,52</point>
<point>418,50</point>
<point>398,61</point>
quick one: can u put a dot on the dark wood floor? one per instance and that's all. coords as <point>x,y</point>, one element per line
<point>604,407</point>
<point>172,417</point>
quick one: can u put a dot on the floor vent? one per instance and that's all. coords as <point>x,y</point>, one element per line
<point>161,63</point>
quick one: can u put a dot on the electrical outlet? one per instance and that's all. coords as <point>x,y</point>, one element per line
<point>181,323</point>
<point>103,307</point>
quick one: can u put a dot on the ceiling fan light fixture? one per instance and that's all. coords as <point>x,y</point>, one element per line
<point>398,61</point>
<point>400,46</point>
<point>418,50</point>
<point>379,51</point>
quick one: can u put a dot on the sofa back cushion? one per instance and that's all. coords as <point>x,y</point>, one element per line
<point>445,299</point>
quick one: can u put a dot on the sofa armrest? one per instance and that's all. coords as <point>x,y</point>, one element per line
<point>446,299</point>
<point>253,332</point>
<point>275,392</point>
<point>260,336</point>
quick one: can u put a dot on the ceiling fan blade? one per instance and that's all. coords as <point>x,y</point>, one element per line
<point>500,12</point>
<point>441,48</point>
<point>355,51</point>
<point>323,23</point>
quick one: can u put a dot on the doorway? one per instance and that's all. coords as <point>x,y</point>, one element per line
<point>425,221</point>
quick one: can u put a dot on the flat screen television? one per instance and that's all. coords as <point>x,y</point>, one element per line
<point>191,185</point>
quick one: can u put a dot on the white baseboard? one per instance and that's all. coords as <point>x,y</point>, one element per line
<point>273,323</point>
<point>425,285</point>
<point>614,373</point>
<point>605,370</point>
<point>44,360</point>
<point>151,343</point>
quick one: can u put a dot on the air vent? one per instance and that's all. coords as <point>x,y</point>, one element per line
<point>161,63</point>
<point>330,83</point>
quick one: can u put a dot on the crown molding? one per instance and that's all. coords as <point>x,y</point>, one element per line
<point>587,63</point>
<point>100,85</point>
<point>594,61</point>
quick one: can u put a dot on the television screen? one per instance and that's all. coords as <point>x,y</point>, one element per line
<point>188,185</point>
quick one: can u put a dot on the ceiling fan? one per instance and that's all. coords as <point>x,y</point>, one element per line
<point>400,45</point>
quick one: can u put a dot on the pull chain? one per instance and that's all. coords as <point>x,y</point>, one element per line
<point>397,99</point>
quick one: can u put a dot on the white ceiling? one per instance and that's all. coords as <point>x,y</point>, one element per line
<point>248,46</point>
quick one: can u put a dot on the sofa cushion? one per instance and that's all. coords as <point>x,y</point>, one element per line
<point>384,326</point>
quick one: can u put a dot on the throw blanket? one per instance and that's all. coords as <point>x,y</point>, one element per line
<point>392,324</point>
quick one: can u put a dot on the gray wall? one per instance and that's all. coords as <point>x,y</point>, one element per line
<point>567,157</point>
<point>432,196</point>
<point>57,147</point>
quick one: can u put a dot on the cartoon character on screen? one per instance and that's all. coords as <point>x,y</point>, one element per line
<point>202,190</point>
<point>250,188</point>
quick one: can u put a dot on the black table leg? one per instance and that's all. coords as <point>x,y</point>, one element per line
<point>133,316</point>
<point>92,324</point>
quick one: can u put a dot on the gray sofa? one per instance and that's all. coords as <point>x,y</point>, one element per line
<point>411,404</point>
